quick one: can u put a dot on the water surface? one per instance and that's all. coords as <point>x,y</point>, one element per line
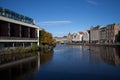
<point>68,62</point>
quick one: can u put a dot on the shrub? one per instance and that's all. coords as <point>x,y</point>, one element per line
<point>34,47</point>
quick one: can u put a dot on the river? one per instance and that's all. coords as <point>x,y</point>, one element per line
<point>65,62</point>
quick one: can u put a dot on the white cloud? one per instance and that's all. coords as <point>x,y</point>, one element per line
<point>92,2</point>
<point>54,22</point>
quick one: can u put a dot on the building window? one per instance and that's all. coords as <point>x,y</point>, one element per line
<point>13,15</point>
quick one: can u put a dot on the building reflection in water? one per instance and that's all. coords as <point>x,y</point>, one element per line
<point>38,61</point>
<point>23,69</point>
<point>20,70</point>
<point>110,55</point>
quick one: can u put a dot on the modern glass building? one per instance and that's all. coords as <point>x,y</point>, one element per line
<point>13,15</point>
<point>17,30</point>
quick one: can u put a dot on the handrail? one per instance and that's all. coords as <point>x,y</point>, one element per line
<point>17,38</point>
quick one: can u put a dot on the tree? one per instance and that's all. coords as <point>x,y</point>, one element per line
<point>46,38</point>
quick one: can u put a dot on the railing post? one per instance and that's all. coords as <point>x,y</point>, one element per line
<point>28,32</point>
<point>31,43</point>
<point>9,29</point>
<point>23,44</point>
<point>13,45</point>
<point>20,32</point>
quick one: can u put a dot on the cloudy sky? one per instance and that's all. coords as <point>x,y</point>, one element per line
<point>60,17</point>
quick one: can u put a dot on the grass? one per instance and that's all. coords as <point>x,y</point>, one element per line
<point>29,49</point>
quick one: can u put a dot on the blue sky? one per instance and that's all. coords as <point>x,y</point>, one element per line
<point>60,17</point>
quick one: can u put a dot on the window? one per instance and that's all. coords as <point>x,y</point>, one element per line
<point>16,16</point>
<point>3,13</point>
<point>0,12</point>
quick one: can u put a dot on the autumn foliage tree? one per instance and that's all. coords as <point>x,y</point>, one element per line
<point>46,38</point>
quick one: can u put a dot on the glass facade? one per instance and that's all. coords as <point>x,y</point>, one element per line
<point>13,15</point>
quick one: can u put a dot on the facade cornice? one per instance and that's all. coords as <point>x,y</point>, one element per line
<point>17,22</point>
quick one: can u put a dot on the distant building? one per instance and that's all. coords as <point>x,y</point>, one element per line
<point>103,35</point>
<point>110,33</point>
<point>69,38</point>
<point>17,30</point>
<point>94,34</point>
<point>77,37</point>
<point>61,40</point>
<point>86,36</point>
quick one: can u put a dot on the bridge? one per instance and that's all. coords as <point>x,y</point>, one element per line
<point>61,40</point>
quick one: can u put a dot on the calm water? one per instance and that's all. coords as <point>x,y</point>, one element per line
<point>65,63</point>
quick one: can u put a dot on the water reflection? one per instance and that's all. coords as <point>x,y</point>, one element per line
<point>74,62</point>
<point>66,62</point>
<point>22,68</point>
<point>19,70</point>
<point>46,56</point>
<point>14,57</point>
<point>110,55</point>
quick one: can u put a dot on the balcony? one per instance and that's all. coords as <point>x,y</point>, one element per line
<point>17,39</point>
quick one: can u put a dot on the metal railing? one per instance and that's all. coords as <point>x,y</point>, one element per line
<point>17,38</point>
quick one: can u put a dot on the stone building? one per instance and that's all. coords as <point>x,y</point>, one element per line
<point>94,34</point>
<point>110,34</point>
<point>103,35</point>
<point>112,31</point>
